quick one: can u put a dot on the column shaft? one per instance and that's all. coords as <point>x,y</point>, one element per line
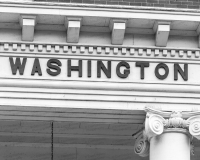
<point>170,146</point>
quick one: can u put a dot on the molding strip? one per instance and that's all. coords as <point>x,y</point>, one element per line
<point>89,49</point>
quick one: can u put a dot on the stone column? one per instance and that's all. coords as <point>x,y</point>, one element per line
<point>168,135</point>
<point>170,145</point>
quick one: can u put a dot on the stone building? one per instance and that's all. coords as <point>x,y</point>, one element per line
<point>99,79</point>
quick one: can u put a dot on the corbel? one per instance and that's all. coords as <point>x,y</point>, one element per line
<point>161,29</point>
<point>117,27</point>
<point>28,23</point>
<point>73,26</point>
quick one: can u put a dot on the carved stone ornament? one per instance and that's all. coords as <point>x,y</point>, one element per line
<point>192,148</point>
<point>157,122</point>
<point>194,126</point>
<point>154,125</point>
<point>142,146</point>
<point>176,121</point>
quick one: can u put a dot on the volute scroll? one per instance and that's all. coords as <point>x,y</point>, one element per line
<point>154,125</point>
<point>194,126</point>
<point>142,146</point>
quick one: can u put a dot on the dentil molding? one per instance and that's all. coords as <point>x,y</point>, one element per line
<point>100,50</point>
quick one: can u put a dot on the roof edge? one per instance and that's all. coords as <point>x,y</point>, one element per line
<point>30,2</point>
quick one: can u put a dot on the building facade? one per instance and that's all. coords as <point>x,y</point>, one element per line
<point>99,79</point>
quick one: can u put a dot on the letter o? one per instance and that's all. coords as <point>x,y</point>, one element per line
<point>165,67</point>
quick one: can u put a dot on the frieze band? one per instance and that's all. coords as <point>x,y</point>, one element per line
<point>54,67</point>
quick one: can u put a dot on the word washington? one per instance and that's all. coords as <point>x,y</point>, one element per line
<point>54,67</point>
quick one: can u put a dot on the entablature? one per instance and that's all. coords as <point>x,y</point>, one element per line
<point>99,20</point>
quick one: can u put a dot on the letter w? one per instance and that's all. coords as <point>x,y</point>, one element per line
<point>17,65</point>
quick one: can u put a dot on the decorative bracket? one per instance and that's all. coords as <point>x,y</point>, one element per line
<point>162,30</point>
<point>73,25</point>
<point>118,27</point>
<point>28,23</point>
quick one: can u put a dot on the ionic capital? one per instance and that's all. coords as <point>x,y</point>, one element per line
<point>157,122</point>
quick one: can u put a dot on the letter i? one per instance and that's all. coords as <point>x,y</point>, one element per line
<point>89,68</point>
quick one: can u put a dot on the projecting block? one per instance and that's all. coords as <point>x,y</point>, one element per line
<point>28,25</point>
<point>118,28</point>
<point>162,35</point>
<point>73,26</point>
<point>118,33</point>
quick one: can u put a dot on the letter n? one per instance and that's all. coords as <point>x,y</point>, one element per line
<point>101,66</point>
<point>177,69</point>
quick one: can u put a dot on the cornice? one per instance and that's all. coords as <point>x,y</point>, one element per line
<point>99,12</point>
<point>97,19</point>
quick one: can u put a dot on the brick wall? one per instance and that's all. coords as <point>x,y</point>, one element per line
<point>189,4</point>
